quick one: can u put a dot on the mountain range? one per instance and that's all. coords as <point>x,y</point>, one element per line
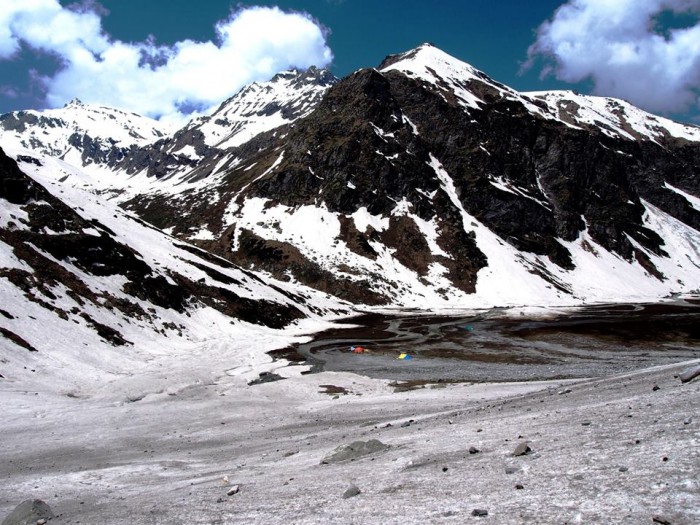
<point>420,183</point>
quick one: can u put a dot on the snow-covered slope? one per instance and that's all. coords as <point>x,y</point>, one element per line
<point>78,133</point>
<point>262,106</point>
<point>94,294</point>
<point>474,89</point>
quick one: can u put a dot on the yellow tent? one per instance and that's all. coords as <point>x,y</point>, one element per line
<point>404,356</point>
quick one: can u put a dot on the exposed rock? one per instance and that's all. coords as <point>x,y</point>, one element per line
<point>355,450</point>
<point>480,513</point>
<point>233,490</point>
<point>689,374</point>
<point>473,450</point>
<point>522,449</point>
<point>29,512</point>
<point>351,492</point>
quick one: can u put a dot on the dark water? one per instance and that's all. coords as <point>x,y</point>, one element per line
<point>586,342</point>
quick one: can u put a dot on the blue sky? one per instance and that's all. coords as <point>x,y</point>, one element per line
<point>165,58</point>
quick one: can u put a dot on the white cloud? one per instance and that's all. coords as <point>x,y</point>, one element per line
<point>622,47</point>
<point>252,44</point>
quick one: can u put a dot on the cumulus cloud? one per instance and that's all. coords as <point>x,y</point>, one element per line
<point>168,82</point>
<point>626,50</point>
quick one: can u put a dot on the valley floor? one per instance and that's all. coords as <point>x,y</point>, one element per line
<point>622,449</point>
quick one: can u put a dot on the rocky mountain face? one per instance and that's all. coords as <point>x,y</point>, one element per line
<point>424,182</point>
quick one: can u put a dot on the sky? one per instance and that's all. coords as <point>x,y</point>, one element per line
<point>168,59</point>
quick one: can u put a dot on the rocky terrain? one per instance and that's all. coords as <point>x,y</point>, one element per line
<point>622,449</point>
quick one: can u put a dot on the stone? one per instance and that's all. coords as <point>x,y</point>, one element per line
<point>480,513</point>
<point>623,469</point>
<point>661,519</point>
<point>519,486</point>
<point>233,490</point>
<point>522,449</point>
<point>29,512</point>
<point>565,391</point>
<point>689,374</point>
<point>655,388</point>
<point>585,423</point>
<point>351,492</point>
<point>688,421</point>
<point>355,450</point>
<point>473,450</point>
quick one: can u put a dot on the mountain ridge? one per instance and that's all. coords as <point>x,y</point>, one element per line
<point>423,174</point>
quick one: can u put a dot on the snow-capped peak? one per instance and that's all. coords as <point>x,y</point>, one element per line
<point>430,64</point>
<point>263,106</point>
<point>63,131</point>
<point>453,77</point>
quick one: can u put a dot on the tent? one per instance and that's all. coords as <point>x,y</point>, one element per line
<point>404,357</point>
<point>358,349</point>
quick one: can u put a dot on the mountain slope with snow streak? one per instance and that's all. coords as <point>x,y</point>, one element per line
<point>91,294</point>
<point>262,106</point>
<point>78,133</point>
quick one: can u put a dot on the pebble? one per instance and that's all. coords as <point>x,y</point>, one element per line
<point>655,388</point>
<point>233,490</point>
<point>624,469</point>
<point>688,421</point>
<point>565,391</point>
<point>480,513</point>
<point>585,423</point>
<point>519,486</point>
<point>473,450</point>
<point>660,519</point>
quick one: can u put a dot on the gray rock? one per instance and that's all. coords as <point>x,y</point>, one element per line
<point>355,450</point>
<point>473,450</point>
<point>623,469</point>
<point>519,486</point>
<point>688,421</point>
<point>585,423</point>
<point>29,512</point>
<point>233,490</point>
<point>689,374</point>
<point>522,449</point>
<point>351,492</point>
<point>480,513</point>
<point>655,388</point>
<point>661,519</point>
<point>511,470</point>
